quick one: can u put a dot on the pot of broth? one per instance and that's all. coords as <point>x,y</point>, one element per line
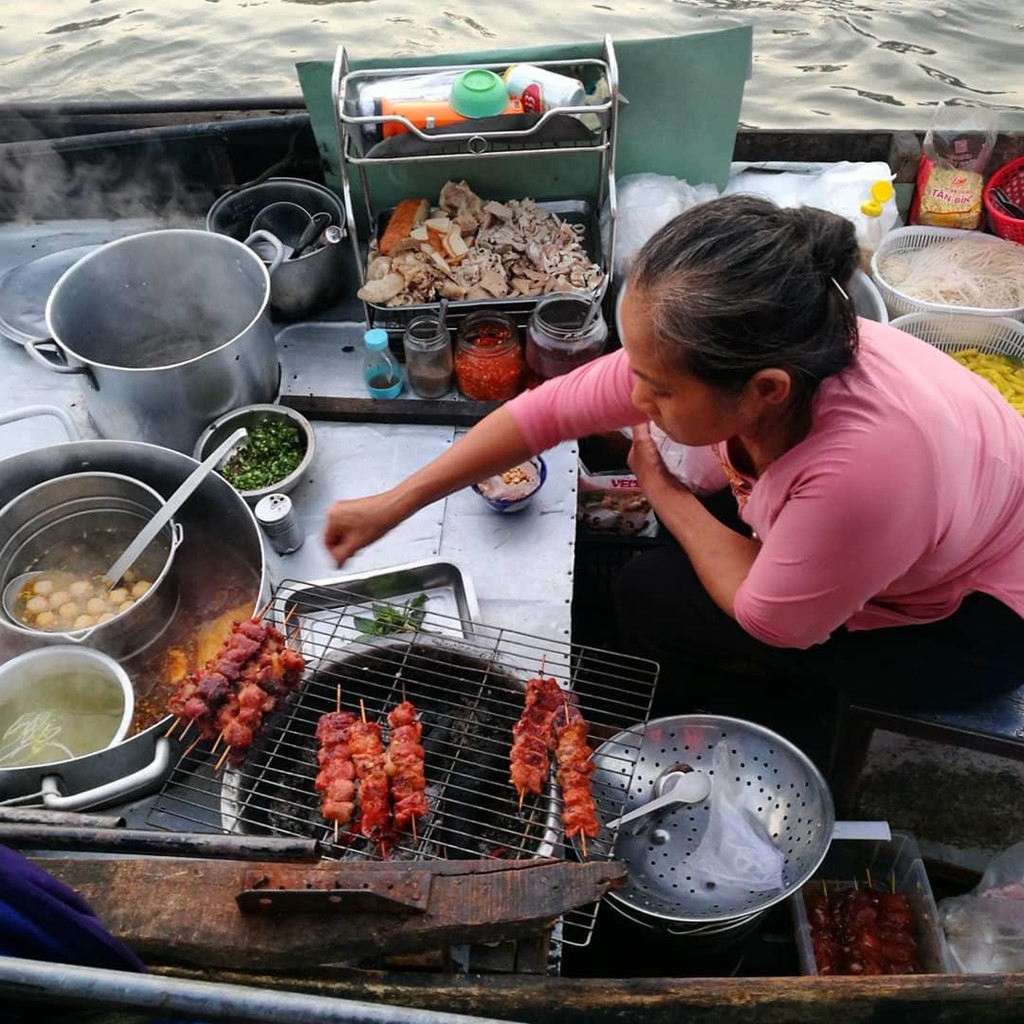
<point>220,574</point>
<point>65,533</point>
<point>60,703</point>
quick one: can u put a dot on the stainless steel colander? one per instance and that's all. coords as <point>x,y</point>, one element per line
<point>785,792</point>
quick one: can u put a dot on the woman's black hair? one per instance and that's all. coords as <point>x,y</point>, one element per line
<point>738,285</point>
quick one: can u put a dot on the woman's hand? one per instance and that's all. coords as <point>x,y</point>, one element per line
<point>646,463</point>
<point>351,525</point>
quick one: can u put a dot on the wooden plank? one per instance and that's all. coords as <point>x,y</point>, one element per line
<point>390,410</point>
<point>927,999</point>
<point>184,911</point>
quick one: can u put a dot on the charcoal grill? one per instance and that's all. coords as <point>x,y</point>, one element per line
<point>467,681</point>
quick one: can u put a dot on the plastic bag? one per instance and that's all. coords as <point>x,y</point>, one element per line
<point>696,468</point>
<point>646,203</point>
<point>736,850</point>
<point>841,188</point>
<point>950,174</point>
<point>985,928</point>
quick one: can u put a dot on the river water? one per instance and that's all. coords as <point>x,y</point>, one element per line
<point>817,63</point>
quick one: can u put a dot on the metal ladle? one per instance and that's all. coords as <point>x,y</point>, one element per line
<point>147,534</point>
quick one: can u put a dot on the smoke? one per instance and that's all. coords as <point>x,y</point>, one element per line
<point>137,173</point>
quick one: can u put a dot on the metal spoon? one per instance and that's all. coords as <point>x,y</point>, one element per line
<point>317,226</point>
<point>673,788</point>
<point>147,533</point>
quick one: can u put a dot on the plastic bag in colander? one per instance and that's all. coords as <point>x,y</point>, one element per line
<point>736,850</point>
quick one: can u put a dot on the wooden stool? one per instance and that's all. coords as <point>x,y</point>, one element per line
<point>995,726</point>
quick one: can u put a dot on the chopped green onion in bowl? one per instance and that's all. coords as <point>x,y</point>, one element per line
<point>273,450</point>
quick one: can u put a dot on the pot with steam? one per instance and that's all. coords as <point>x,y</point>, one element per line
<point>216,519</point>
<point>168,330</point>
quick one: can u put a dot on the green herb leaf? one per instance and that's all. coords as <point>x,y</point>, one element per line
<point>272,451</point>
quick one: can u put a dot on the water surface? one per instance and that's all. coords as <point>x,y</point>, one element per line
<point>827,63</point>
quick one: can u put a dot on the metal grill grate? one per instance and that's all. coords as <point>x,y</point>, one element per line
<point>467,682</point>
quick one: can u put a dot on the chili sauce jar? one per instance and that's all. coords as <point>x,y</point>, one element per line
<point>489,363</point>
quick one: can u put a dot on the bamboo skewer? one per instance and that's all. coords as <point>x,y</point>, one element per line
<point>263,611</point>
<point>223,757</point>
<point>192,746</point>
<point>185,731</point>
<point>170,731</point>
<point>583,845</point>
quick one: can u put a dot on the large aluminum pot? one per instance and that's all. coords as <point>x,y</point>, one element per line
<point>139,763</point>
<point>57,514</point>
<point>168,329</point>
<point>307,283</point>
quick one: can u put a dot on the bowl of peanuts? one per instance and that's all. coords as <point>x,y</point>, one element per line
<point>514,489</point>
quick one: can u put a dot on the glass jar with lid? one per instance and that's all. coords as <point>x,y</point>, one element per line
<point>489,362</point>
<point>428,356</point>
<point>566,330</point>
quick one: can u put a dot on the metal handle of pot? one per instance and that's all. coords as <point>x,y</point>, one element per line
<point>272,240</point>
<point>32,347</point>
<point>876,831</point>
<point>28,411</point>
<point>110,792</point>
<point>659,925</point>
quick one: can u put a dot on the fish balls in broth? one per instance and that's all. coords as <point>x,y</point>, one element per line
<point>80,588</point>
<point>45,620</point>
<point>68,611</point>
<point>96,605</point>
<point>58,598</point>
<point>119,595</point>
<point>43,587</point>
<point>140,588</point>
<point>37,604</point>
<point>85,621</point>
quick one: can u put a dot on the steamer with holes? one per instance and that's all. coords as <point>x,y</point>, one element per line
<point>785,793</point>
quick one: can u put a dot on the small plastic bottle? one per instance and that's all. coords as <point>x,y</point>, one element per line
<point>871,227</point>
<point>382,375</point>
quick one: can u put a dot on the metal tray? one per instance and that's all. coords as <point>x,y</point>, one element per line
<point>573,211</point>
<point>451,607</point>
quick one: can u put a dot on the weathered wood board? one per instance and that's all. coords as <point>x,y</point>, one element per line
<point>185,911</point>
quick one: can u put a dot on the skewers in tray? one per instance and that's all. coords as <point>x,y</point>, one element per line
<point>858,929</point>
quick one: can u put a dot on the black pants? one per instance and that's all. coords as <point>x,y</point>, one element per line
<point>708,661</point>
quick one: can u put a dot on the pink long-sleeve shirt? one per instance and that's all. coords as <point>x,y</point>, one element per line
<point>906,495</point>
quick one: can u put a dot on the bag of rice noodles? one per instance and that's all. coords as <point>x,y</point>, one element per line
<point>951,171</point>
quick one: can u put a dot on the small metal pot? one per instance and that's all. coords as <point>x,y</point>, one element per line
<point>168,329</point>
<point>27,675</point>
<point>59,511</point>
<point>307,283</point>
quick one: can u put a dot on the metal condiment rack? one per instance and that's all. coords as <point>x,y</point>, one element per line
<point>475,145</point>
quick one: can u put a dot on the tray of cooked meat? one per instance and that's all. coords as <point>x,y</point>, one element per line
<point>869,910</point>
<point>481,253</point>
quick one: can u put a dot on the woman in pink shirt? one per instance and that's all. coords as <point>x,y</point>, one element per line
<point>874,533</point>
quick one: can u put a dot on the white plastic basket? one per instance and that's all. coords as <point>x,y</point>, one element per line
<point>953,332</point>
<point>914,239</point>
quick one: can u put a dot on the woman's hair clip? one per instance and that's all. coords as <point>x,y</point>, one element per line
<point>842,291</point>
